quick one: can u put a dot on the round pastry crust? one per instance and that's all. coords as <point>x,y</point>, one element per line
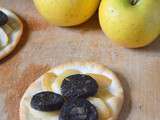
<point>115,102</point>
<point>14,36</point>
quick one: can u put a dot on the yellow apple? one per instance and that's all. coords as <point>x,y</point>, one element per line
<point>130,23</point>
<point>66,12</point>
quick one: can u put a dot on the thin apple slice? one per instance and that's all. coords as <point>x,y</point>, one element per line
<point>47,81</point>
<point>104,94</point>
<point>8,29</point>
<point>102,80</point>
<point>4,40</point>
<point>104,112</point>
<point>103,83</point>
<point>10,26</point>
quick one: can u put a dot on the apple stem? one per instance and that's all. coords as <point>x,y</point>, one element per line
<point>133,2</point>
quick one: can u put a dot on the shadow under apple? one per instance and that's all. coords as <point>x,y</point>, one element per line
<point>92,24</point>
<point>154,47</point>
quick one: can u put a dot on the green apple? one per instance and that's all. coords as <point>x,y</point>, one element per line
<point>67,12</point>
<point>130,23</point>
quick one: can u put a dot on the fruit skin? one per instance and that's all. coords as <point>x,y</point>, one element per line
<point>79,109</point>
<point>66,12</point>
<point>131,26</point>
<point>47,101</point>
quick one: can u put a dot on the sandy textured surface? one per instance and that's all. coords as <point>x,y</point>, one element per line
<point>43,45</point>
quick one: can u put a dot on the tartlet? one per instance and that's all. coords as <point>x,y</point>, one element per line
<point>13,30</point>
<point>108,107</point>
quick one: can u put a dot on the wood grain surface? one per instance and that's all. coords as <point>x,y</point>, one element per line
<point>43,46</point>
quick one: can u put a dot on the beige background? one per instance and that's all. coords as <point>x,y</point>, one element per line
<point>43,46</point>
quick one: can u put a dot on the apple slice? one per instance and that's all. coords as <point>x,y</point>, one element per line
<point>103,110</point>
<point>47,81</point>
<point>103,83</point>
<point>102,80</point>
<point>8,29</point>
<point>4,40</point>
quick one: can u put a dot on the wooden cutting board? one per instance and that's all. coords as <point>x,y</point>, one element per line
<point>43,46</point>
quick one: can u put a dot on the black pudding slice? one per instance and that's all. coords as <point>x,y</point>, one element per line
<point>79,109</point>
<point>47,101</point>
<point>3,18</point>
<point>79,86</point>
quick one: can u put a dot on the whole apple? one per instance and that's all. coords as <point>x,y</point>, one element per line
<point>130,23</point>
<point>67,12</point>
